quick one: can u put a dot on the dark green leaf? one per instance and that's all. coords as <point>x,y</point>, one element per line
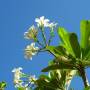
<point>2,84</point>
<point>45,77</point>
<point>86,53</point>
<point>44,85</point>
<point>75,45</point>
<point>56,50</point>
<point>60,66</point>
<point>87,88</point>
<point>85,33</point>
<point>21,88</point>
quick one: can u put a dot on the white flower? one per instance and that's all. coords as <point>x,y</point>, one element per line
<point>32,79</point>
<point>31,50</point>
<point>31,33</point>
<point>17,75</point>
<point>42,22</point>
<point>52,25</point>
<point>17,72</point>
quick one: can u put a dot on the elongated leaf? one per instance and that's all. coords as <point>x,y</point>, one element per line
<point>87,54</point>
<point>64,36</point>
<point>56,50</point>
<point>45,85</point>
<point>21,88</point>
<point>45,77</point>
<point>85,33</point>
<point>60,66</point>
<point>86,63</point>
<point>75,45</point>
<point>52,67</point>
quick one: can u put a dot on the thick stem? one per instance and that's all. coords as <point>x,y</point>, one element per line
<point>83,74</point>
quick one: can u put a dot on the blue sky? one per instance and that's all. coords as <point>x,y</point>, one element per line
<point>17,15</point>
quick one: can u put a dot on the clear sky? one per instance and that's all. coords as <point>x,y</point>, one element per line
<point>17,15</point>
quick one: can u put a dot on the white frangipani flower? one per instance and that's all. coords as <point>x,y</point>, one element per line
<point>17,72</point>
<point>42,22</point>
<point>32,79</point>
<point>31,33</point>
<point>52,25</point>
<point>17,75</point>
<point>31,50</point>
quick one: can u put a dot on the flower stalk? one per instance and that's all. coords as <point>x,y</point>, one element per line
<point>43,35</point>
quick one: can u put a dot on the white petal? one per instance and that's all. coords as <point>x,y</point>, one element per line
<point>14,70</point>
<point>42,18</point>
<point>20,68</point>
<point>37,20</point>
<point>46,20</point>
<point>36,48</point>
<point>28,47</point>
<point>17,69</point>
<point>33,44</point>
<point>25,33</point>
<point>33,53</point>
<point>46,24</point>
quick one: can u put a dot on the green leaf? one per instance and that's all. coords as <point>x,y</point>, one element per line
<point>75,45</point>
<point>2,84</point>
<point>56,50</point>
<point>21,88</point>
<point>64,36</point>
<point>85,33</point>
<point>85,63</point>
<point>87,56</point>
<point>56,66</point>
<point>45,77</point>
<point>52,67</point>
<point>87,88</point>
<point>42,84</point>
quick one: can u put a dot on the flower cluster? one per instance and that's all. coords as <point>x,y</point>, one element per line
<point>18,79</point>
<point>31,50</point>
<point>42,22</point>
<point>17,75</point>
<point>32,33</point>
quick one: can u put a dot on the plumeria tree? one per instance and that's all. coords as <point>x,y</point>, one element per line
<point>71,57</point>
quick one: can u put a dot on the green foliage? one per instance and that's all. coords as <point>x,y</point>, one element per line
<point>60,65</point>
<point>75,56</point>
<point>21,88</point>
<point>75,45</point>
<point>85,33</point>
<point>70,55</point>
<point>52,82</point>
<point>85,37</point>
<point>65,38</point>
<point>2,85</point>
<point>56,50</point>
<point>87,88</point>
